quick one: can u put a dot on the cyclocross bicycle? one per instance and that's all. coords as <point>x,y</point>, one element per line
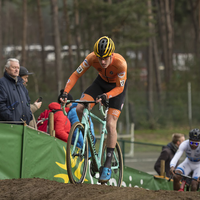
<point>185,182</point>
<point>77,156</point>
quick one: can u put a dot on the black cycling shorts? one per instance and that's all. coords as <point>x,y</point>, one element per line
<point>99,86</point>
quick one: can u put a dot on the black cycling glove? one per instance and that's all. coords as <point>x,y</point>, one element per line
<point>63,96</point>
<point>104,99</point>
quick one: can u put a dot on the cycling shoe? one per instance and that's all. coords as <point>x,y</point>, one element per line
<point>105,175</point>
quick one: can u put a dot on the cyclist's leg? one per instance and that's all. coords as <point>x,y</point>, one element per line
<point>80,107</point>
<point>111,137</point>
<point>183,168</point>
<point>177,179</point>
<point>196,174</point>
<point>111,143</point>
<point>115,107</point>
<point>90,94</point>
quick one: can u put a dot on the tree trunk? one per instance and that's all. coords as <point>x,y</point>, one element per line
<point>57,45</point>
<point>157,71</point>
<point>24,37</point>
<point>150,69</point>
<point>78,42</point>
<point>41,35</point>
<point>1,46</point>
<point>163,31</point>
<point>69,37</point>
<point>169,37</point>
<point>196,25</point>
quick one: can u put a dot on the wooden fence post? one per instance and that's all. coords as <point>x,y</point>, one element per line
<point>51,124</point>
<point>162,168</point>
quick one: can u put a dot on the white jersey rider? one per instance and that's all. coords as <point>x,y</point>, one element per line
<point>192,161</point>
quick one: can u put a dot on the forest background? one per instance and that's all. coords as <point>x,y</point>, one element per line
<point>160,40</point>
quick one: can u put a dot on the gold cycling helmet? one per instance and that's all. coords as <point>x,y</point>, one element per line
<point>104,47</point>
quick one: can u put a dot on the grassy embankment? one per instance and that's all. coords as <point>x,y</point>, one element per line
<point>159,136</point>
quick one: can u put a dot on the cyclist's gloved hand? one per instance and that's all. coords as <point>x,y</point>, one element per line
<point>104,99</point>
<point>63,96</point>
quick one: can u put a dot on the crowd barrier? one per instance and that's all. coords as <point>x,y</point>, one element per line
<point>28,153</point>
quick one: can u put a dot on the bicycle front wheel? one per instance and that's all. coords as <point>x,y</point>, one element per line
<point>116,165</point>
<point>76,156</point>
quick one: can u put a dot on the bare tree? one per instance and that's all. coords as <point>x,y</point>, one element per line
<point>24,36</point>
<point>156,68</point>
<point>41,36</point>
<point>150,68</point>
<point>165,15</point>
<point>78,41</point>
<point>169,36</point>
<point>195,7</point>
<point>57,45</point>
<point>1,46</point>
<point>68,35</point>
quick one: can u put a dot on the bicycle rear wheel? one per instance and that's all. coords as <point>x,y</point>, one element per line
<point>77,161</point>
<point>116,165</point>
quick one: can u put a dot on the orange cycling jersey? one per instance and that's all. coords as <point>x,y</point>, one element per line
<point>116,72</point>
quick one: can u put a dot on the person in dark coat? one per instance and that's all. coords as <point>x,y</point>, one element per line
<point>14,98</point>
<point>24,74</point>
<point>168,153</point>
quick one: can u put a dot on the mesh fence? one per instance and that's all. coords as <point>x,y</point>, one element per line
<point>141,156</point>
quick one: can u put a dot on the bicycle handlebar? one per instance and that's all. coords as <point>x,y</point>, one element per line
<point>184,176</point>
<point>104,113</point>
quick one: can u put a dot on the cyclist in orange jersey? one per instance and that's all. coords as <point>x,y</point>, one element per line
<point>110,85</point>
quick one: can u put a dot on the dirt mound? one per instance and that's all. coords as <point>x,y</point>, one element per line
<point>36,189</point>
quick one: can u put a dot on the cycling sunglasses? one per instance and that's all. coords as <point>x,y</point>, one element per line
<point>196,143</point>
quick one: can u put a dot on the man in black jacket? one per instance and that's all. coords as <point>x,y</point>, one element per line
<point>168,153</point>
<point>14,98</point>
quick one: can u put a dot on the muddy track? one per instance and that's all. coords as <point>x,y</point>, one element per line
<point>36,189</point>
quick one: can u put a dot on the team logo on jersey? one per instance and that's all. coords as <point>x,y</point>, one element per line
<point>85,63</point>
<point>115,113</point>
<point>79,69</point>
<point>111,72</point>
<point>121,75</point>
<point>122,83</point>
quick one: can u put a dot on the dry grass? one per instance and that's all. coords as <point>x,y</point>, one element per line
<point>160,136</point>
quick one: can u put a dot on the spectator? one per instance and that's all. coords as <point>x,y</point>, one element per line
<point>14,98</point>
<point>24,74</point>
<point>168,153</point>
<point>62,124</point>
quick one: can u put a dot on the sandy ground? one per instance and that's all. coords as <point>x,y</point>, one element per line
<point>36,189</point>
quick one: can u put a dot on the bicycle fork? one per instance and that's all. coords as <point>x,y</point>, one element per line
<point>182,186</point>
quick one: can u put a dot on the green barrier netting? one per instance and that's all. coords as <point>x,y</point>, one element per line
<point>27,153</point>
<point>10,150</point>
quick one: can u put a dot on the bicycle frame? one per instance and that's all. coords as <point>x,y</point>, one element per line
<point>184,181</point>
<point>87,133</point>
